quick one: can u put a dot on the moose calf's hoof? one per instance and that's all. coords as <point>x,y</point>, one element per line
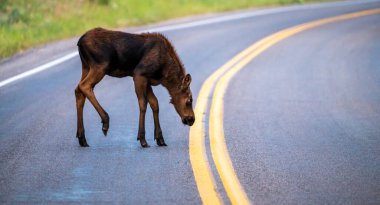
<point>159,138</point>
<point>143,143</point>
<point>105,130</point>
<point>106,125</point>
<point>161,142</point>
<point>82,142</point>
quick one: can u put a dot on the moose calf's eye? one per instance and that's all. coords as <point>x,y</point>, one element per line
<point>189,101</point>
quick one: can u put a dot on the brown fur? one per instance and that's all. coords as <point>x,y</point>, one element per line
<point>149,58</point>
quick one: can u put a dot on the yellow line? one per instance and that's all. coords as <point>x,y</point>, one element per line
<point>203,176</point>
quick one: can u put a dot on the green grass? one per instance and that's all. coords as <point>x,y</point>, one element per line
<point>26,23</point>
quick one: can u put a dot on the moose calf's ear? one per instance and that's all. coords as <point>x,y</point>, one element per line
<point>187,80</point>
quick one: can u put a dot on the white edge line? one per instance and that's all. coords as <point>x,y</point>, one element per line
<point>189,25</point>
<point>39,68</point>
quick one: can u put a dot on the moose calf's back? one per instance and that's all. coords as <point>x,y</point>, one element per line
<point>122,52</point>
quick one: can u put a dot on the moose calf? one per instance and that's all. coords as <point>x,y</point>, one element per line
<point>149,58</point>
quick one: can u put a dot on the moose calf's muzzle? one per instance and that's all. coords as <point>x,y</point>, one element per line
<point>188,120</point>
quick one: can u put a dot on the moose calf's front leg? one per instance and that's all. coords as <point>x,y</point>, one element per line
<point>153,102</point>
<point>141,88</point>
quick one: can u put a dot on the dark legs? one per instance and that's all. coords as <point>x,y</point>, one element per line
<point>145,93</point>
<point>157,128</point>
<point>80,99</point>
<point>141,85</point>
<point>85,89</point>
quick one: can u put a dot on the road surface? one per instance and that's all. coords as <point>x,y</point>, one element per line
<point>301,120</point>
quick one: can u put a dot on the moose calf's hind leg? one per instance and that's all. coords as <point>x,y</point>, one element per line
<point>80,99</point>
<point>87,87</point>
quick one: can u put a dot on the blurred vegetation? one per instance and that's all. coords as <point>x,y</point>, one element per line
<point>26,23</point>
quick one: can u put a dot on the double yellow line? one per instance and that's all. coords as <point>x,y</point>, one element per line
<point>220,78</point>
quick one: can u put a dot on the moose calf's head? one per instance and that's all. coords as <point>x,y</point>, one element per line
<point>183,102</point>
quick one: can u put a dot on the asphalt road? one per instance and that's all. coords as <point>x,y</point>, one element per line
<point>302,120</point>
